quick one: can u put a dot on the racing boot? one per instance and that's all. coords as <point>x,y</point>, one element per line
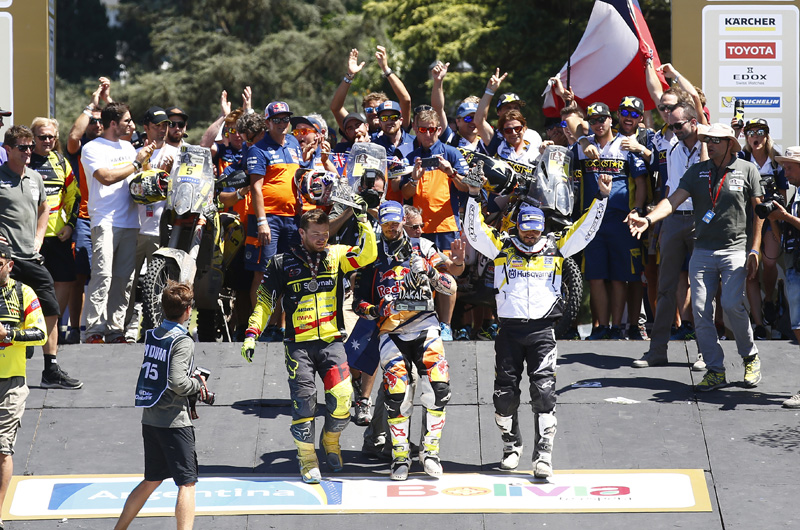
<point>512,440</point>
<point>401,457</point>
<point>543,450</point>
<point>429,448</point>
<point>329,441</point>
<point>307,459</point>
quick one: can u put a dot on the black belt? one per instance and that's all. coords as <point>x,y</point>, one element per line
<point>684,212</point>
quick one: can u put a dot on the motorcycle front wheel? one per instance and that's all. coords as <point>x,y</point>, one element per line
<point>159,270</point>
<point>572,293</point>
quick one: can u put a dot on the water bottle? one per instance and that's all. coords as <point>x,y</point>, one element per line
<point>738,112</point>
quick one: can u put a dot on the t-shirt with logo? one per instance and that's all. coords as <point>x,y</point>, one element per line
<point>278,163</point>
<point>109,205</point>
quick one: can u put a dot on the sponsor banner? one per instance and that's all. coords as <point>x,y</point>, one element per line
<point>84,496</point>
<point>751,76</point>
<point>750,50</point>
<point>750,24</point>
<point>753,103</point>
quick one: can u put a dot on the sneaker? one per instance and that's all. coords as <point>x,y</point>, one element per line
<point>793,402</point>
<point>399,469</point>
<point>58,378</point>
<point>489,333</point>
<point>598,333</point>
<point>73,336</point>
<point>329,441</point>
<point>752,371</point>
<point>511,455</point>
<point>649,360</point>
<point>542,468</point>
<point>637,332</point>
<point>760,332</point>
<point>96,339</point>
<point>699,365</point>
<point>363,410</point>
<point>445,332</point>
<point>711,381</point>
<point>463,333</point>
<point>685,332</point>
<point>615,333</point>
<point>431,464</point>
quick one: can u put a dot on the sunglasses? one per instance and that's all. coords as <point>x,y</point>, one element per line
<point>370,110</point>
<point>667,108</point>
<point>285,119</point>
<point>712,140</point>
<point>390,117</point>
<point>595,121</point>
<point>94,121</point>
<point>46,137</point>
<point>177,124</point>
<point>421,108</point>
<point>24,147</point>
<point>625,113</point>
<point>302,132</point>
<point>427,130</point>
<point>415,227</point>
<point>230,132</point>
<point>469,118</point>
<point>756,132</point>
<point>509,130</point>
<point>678,125</point>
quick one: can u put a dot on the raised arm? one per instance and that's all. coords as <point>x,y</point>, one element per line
<point>687,87</point>
<point>399,89</point>
<point>485,130</point>
<point>337,103</point>
<point>82,121</point>
<point>437,92</point>
<point>213,130</point>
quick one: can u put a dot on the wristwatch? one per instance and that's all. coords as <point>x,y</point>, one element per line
<point>137,165</point>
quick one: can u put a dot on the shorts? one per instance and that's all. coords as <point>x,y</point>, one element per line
<point>442,240</point>
<point>34,274</point>
<point>14,392</point>
<point>169,453</point>
<point>58,259</point>
<point>284,235</point>
<point>793,296</point>
<point>82,236</point>
<point>614,254</point>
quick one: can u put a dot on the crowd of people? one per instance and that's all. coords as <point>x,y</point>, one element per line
<point>668,224</point>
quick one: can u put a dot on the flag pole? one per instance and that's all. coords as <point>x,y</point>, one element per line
<point>569,45</point>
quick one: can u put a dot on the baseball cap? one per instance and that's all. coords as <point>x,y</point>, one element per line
<point>389,105</point>
<point>354,116</point>
<point>277,107</point>
<point>598,109</point>
<point>530,218</point>
<point>155,115</point>
<point>466,108</point>
<point>792,154</point>
<point>305,120</point>
<point>172,111</point>
<point>4,112</point>
<point>510,97</point>
<point>720,130</point>
<point>5,250</point>
<point>756,123</point>
<point>632,102</point>
<point>390,212</point>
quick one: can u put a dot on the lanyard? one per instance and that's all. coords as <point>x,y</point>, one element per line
<point>719,189</point>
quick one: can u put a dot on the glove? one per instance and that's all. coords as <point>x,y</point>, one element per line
<point>360,213</point>
<point>385,308</point>
<point>248,348</point>
<point>420,265</point>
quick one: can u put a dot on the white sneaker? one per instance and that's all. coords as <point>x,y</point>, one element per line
<point>793,402</point>
<point>511,456</point>
<point>700,364</point>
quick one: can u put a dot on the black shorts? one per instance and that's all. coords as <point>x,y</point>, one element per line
<point>169,453</point>
<point>59,259</point>
<point>34,274</point>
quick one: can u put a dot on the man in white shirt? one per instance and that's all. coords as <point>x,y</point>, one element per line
<point>108,163</point>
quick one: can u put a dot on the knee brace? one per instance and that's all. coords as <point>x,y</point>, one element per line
<point>303,430</point>
<point>543,394</point>
<point>506,400</point>
<point>441,394</point>
<point>393,403</point>
<point>338,399</point>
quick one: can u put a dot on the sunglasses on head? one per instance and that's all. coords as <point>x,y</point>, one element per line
<point>177,124</point>
<point>595,121</point>
<point>427,130</point>
<point>712,140</point>
<point>45,137</point>
<point>756,132</point>
<point>625,113</point>
<point>468,118</point>
<point>677,126</point>
<point>25,147</point>
<point>285,119</point>
<point>229,132</point>
<point>421,108</point>
<point>509,130</point>
<point>667,108</point>
<point>390,117</point>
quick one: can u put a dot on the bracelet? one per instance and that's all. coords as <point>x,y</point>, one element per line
<point>250,111</point>
<point>649,221</point>
<point>677,77</point>
<point>459,264</point>
<point>489,92</point>
<point>261,218</point>
<point>88,113</point>
<point>754,251</point>
<point>90,107</point>
<point>239,196</point>
<point>261,223</point>
<point>583,138</point>
<point>387,73</point>
<point>347,80</point>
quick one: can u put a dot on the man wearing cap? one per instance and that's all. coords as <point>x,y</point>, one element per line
<point>177,125</point>
<point>23,223</point>
<point>311,133</point>
<point>354,129</point>
<point>527,279</point>
<point>397,142</point>
<point>3,114</point>
<point>614,255</point>
<point>466,134</point>
<point>790,230</point>
<point>397,291</point>
<point>21,326</point>
<point>722,190</point>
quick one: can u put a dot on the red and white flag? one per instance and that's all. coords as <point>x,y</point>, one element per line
<point>608,63</point>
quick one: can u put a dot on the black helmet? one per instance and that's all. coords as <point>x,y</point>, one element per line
<point>500,177</point>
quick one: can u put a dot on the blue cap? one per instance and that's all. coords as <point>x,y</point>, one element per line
<point>530,218</point>
<point>277,107</point>
<point>466,108</point>
<point>390,212</point>
<point>389,105</point>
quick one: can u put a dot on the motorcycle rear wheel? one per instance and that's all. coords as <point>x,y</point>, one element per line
<point>159,270</point>
<point>572,293</point>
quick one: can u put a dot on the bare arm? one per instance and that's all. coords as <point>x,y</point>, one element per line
<point>337,103</point>
<point>687,87</point>
<point>484,129</point>
<point>41,224</point>
<point>79,127</point>
<point>437,92</point>
<point>665,207</point>
<point>654,86</point>
<point>213,130</point>
<point>112,175</point>
<point>403,97</point>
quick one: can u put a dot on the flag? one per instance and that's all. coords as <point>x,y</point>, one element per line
<point>608,63</point>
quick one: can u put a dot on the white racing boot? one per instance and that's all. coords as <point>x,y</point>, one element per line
<point>543,450</point>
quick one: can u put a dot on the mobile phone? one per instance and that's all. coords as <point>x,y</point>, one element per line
<point>430,162</point>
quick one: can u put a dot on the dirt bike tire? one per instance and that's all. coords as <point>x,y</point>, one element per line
<point>159,270</point>
<point>572,293</point>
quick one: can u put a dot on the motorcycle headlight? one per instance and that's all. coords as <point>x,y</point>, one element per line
<point>183,198</point>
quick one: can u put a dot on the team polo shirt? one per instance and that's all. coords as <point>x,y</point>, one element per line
<point>401,151</point>
<point>436,195</point>
<point>660,152</point>
<point>623,166</point>
<point>227,155</point>
<point>278,163</point>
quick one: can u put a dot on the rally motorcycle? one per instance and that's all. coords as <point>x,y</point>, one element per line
<point>197,242</point>
<point>549,186</point>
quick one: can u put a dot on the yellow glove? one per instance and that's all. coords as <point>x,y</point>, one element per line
<point>248,348</point>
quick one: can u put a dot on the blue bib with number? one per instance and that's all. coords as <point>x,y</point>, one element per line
<point>154,374</point>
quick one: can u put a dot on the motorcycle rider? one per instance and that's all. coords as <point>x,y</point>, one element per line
<point>397,290</point>
<point>310,278</point>
<point>527,279</point>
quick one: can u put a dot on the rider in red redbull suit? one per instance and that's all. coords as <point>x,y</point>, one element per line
<point>310,277</point>
<point>397,290</point>
<point>527,281</point>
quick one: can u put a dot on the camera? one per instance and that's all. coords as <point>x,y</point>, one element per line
<point>370,195</point>
<point>138,139</point>
<point>432,162</point>
<point>205,395</point>
<point>771,196</point>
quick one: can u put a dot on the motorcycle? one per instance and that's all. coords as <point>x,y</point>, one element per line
<point>197,241</point>
<point>549,186</point>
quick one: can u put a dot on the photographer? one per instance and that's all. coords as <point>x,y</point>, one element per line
<point>167,380</point>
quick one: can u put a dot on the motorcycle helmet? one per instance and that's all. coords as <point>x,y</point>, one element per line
<point>149,186</point>
<point>500,177</point>
<point>316,186</point>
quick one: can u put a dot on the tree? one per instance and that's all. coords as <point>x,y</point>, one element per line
<point>85,45</point>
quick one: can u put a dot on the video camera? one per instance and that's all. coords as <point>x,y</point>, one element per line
<point>771,196</point>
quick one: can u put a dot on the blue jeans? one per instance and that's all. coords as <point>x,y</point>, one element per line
<point>707,269</point>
